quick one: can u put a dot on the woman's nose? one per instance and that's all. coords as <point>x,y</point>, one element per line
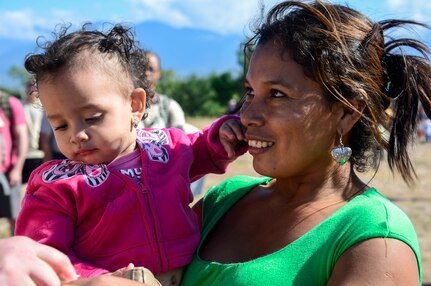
<point>251,113</point>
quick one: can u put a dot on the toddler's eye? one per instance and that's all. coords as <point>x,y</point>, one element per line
<point>94,119</point>
<point>60,127</point>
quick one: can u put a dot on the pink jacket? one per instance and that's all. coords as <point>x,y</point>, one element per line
<point>102,220</point>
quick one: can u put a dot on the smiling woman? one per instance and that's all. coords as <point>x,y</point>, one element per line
<point>319,80</point>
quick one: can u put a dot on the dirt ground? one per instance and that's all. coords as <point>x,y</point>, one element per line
<point>416,202</point>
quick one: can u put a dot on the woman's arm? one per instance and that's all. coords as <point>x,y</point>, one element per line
<point>377,261</point>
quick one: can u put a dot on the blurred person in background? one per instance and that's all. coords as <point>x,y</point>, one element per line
<point>13,151</point>
<point>33,113</point>
<point>165,112</point>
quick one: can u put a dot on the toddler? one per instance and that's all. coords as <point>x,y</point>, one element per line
<point>122,195</point>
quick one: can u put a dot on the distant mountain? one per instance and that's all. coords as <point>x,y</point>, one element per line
<point>185,50</point>
<point>190,50</point>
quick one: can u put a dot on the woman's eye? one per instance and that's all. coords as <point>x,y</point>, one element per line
<point>249,93</point>
<point>277,94</point>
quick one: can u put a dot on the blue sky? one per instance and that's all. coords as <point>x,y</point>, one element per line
<point>24,19</point>
<point>223,22</point>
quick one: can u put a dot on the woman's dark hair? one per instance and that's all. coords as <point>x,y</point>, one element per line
<point>354,57</point>
<point>116,44</point>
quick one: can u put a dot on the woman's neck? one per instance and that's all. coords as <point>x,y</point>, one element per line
<point>342,184</point>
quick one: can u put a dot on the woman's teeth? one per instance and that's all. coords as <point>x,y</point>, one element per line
<point>259,144</point>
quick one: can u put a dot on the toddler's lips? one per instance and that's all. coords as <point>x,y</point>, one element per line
<point>85,152</point>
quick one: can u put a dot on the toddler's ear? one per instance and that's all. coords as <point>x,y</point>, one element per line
<point>138,103</point>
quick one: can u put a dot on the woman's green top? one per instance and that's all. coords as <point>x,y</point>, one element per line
<point>310,259</point>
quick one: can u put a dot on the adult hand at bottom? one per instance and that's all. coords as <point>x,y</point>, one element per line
<point>25,262</point>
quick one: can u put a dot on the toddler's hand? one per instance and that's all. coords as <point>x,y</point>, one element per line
<point>122,271</point>
<point>231,133</point>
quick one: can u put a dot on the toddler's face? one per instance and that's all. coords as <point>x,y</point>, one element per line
<point>90,116</point>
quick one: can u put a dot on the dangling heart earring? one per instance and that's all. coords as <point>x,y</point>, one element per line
<point>340,153</point>
<point>134,123</point>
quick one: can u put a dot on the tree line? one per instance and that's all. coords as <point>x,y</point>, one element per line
<point>205,96</point>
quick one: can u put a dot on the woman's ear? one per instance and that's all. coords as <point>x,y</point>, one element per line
<point>352,113</point>
<point>138,104</point>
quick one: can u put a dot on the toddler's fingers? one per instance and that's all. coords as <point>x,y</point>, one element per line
<point>228,148</point>
<point>122,271</point>
<point>237,129</point>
